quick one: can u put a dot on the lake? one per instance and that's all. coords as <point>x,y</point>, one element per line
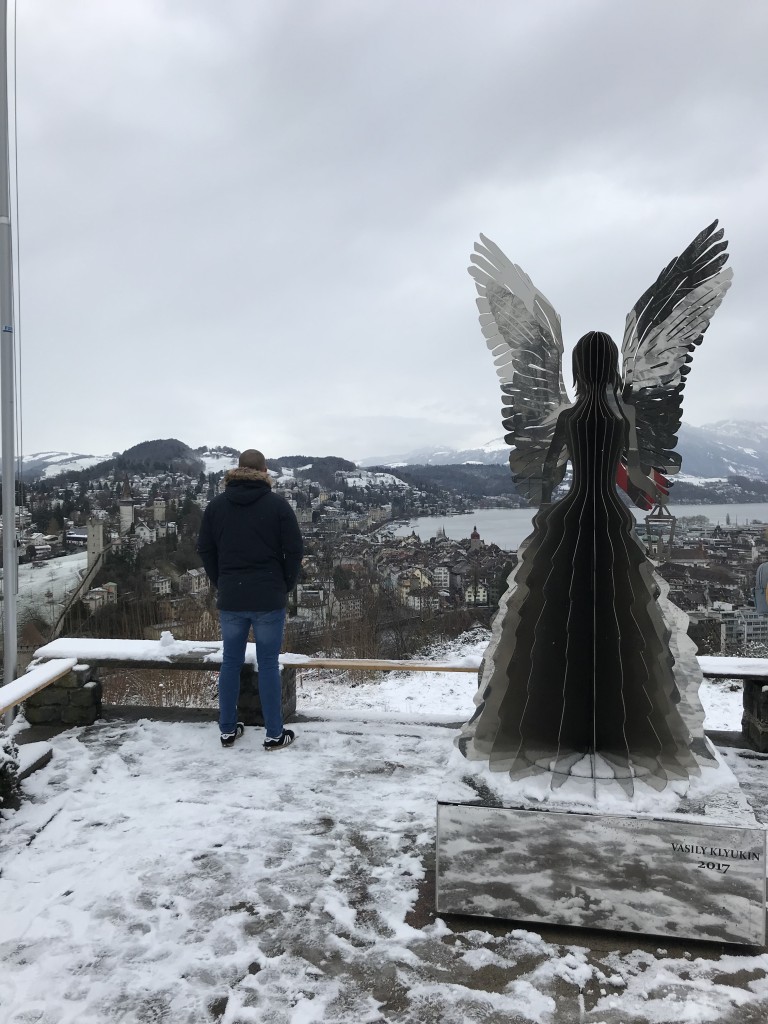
<point>508,527</point>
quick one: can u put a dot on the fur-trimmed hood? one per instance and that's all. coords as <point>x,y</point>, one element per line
<point>244,475</point>
<point>250,544</point>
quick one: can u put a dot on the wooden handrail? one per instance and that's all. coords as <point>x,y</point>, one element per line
<point>378,664</point>
<point>206,655</point>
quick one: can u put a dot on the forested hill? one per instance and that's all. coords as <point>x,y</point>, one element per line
<point>473,481</point>
<point>168,454</point>
<point>470,481</point>
<point>322,469</point>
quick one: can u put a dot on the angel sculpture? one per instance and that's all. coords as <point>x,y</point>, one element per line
<point>579,678</point>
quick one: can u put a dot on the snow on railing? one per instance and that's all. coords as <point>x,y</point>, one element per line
<point>734,668</point>
<point>58,657</point>
<point>170,653</point>
<point>36,679</point>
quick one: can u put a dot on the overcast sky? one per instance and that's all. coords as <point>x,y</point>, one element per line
<point>248,222</point>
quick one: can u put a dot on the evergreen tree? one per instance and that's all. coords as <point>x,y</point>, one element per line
<point>341,578</point>
<point>9,769</point>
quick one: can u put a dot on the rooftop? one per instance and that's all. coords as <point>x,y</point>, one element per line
<point>151,876</point>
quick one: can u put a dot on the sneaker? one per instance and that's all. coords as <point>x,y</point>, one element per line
<point>228,738</point>
<point>285,740</point>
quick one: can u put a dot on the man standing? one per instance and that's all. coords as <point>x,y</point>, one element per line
<point>251,547</point>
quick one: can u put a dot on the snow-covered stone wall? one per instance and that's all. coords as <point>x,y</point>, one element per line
<point>75,699</point>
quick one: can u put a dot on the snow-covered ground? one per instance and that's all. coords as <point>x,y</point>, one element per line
<point>57,577</point>
<point>448,696</point>
<point>151,876</point>
<point>216,461</point>
<point>723,704</point>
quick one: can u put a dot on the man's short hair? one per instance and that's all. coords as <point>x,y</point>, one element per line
<point>251,458</point>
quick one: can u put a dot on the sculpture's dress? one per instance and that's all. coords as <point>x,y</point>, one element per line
<point>581,665</point>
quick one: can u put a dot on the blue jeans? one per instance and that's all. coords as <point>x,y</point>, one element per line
<point>268,635</point>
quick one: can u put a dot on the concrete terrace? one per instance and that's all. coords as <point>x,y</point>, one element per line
<point>150,876</point>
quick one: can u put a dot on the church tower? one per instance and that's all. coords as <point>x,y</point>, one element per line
<point>95,540</point>
<point>126,508</point>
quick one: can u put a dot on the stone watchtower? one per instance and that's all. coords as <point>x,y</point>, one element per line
<point>126,508</point>
<point>474,540</point>
<point>95,541</point>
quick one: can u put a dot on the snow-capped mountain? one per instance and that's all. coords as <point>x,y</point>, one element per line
<point>44,465</point>
<point>738,430</point>
<point>723,449</point>
<point>715,451</point>
<point>495,452</point>
<point>712,452</point>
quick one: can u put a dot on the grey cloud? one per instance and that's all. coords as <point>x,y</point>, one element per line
<point>249,217</point>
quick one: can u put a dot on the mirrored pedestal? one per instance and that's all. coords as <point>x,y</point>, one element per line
<point>682,877</point>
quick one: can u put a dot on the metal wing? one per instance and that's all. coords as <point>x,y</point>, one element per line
<point>662,331</point>
<point>522,330</point>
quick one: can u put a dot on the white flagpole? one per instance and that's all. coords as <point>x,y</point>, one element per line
<point>7,376</point>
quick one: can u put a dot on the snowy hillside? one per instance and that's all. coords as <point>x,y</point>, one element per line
<point>715,451</point>
<point>727,448</point>
<point>72,463</point>
<point>739,430</point>
<point>366,479</point>
<point>712,452</point>
<point>495,452</point>
<point>217,460</point>
<point>44,588</point>
<point>44,465</point>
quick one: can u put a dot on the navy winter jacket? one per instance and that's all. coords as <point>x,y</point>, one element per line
<point>250,544</point>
